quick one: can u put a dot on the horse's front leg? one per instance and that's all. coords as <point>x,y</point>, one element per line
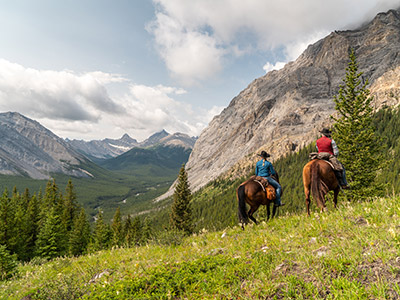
<point>268,211</point>
<point>274,208</point>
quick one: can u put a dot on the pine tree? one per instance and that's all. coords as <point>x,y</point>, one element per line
<point>80,234</point>
<point>48,244</point>
<point>181,213</point>
<point>20,225</point>
<point>360,148</point>
<point>137,231</point>
<point>5,219</point>
<point>128,236</point>
<point>32,225</point>
<point>117,229</point>
<point>102,233</point>
<point>69,207</point>
<point>146,231</point>
<point>8,263</point>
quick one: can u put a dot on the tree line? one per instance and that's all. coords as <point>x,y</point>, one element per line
<point>53,224</point>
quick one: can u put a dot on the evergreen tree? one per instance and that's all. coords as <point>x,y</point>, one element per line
<point>69,207</point>
<point>48,244</point>
<point>181,213</point>
<point>146,230</point>
<point>8,263</point>
<point>32,226</point>
<point>117,229</point>
<point>137,231</point>
<point>102,233</point>
<point>360,148</point>
<point>5,219</point>
<point>80,234</point>
<point>20,225</point>
<point>128,236</point>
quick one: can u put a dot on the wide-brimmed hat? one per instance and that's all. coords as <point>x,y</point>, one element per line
<point>326,131</point>
<point>264,154</point>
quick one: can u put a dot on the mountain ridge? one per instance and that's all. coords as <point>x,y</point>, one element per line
<point>29,149</point>
<point>107,148</point>
<point>283,110</point>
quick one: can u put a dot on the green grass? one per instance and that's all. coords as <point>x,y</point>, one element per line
<point>348,253</point>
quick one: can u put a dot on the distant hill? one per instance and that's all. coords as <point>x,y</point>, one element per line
<point>29,149</point>
<point>98,150</point>
<point>160,160</point>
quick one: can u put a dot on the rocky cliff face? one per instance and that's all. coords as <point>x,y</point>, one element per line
<point>27,148</point>
<point>283,110</point>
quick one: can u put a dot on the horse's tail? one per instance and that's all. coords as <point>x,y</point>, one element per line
<point>317,185</point>
<point>243,217</point>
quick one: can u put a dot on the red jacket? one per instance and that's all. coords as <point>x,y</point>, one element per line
<point>324,144</point>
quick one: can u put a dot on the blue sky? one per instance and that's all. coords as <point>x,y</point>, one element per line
<point>94,69</point>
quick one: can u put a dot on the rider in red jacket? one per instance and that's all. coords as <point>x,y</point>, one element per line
<point>327,144</point>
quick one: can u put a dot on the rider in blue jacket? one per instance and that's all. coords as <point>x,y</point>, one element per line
<point>265,169</point>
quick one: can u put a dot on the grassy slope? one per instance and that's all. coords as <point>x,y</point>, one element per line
<point>349,253</point>
<point>215,206</point>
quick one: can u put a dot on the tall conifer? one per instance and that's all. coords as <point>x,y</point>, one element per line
<point>102,233</point>
<point>80,234</point>
<point>181,212</point>
<point>49,242</point>
<point>360,148</point>
<point>117,229</point>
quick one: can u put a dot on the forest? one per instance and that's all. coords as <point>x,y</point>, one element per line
<point>52,223</point>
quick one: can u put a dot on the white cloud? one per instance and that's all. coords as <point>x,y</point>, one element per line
<point>189,55</point>
<point>81,106</point>
<point>195,37</point>
<point>150,109</point>
<point>55,95</point>
<point>277,66</point>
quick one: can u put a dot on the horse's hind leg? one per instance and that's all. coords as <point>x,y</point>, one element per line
<point>252,210</point>
<point>335,196</point>
<point>308,201</point>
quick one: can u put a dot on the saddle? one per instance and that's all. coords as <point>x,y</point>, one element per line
<point>267,188</point>
<point>261,180</point>
<point>331,159</point>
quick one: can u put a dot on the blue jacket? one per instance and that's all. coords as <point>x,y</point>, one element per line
<point>264,168</point>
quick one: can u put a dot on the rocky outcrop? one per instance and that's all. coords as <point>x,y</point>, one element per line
<point>27,148</point>
<point>283,110</point>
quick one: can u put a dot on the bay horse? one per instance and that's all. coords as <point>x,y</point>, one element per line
<point>252,193</point>
<point>319,178</point>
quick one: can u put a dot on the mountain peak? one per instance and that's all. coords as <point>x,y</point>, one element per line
<point>27,148</point>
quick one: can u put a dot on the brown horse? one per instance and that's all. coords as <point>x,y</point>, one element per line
<point>252,193</point>
<point>319,178</point>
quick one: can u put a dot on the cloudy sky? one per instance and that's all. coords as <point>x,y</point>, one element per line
<point>94,69</point>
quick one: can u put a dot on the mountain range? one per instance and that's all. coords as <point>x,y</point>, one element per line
<point>284,110</point>
<point>29,149</point>
<point>98,150</point>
